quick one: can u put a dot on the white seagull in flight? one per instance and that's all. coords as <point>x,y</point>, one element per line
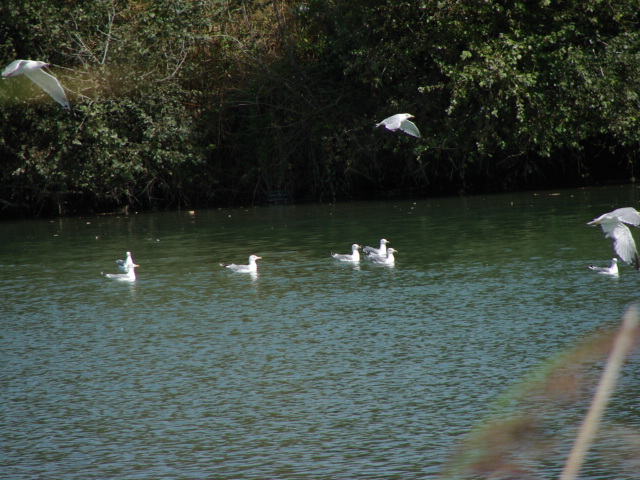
<point>251,268</point>
<point>613,225</point>
<point>400,121</point>
<point>33,70</point>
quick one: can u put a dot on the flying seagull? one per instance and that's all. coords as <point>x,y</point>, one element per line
<point>33,70</point>
<point>612,270</point>
<point>251,268</point>
<point>400,121</point>
<point>613,225</point>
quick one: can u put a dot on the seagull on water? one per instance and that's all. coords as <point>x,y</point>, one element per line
<point>613,225</point>
<point>33,70</point>
<point>354,256</point>
<point>377,251</point>
<point>125,264</point>
<point>130,276</point>
<point>400,121</point>
<point>386,259</point>
<point>251,268</point>
<point>612,270</point>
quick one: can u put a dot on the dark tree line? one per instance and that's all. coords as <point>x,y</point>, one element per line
<point>205,102</point>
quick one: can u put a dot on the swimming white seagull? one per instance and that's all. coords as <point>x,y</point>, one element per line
<point>354,256</point>
<point>400,121</point>
<point>125,264</point>
<point>130,276</point>
<point>386,259</point>
<point>377,251</point>
<point>33,70</point>
<point>613,225</point>
<point>612,270</point>
<point>251,268</point>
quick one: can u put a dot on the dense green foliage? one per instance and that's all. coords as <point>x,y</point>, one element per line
<point>193,102</point>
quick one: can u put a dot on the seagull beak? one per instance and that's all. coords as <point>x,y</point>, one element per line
<point>259,258</point>
<point>135,265</point>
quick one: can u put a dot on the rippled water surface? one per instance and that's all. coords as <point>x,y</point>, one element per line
<point>314,368</point>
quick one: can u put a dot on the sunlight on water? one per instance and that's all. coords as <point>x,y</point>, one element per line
<point>313,369</point>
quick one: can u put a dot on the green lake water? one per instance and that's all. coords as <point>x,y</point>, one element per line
<point>313,369</point>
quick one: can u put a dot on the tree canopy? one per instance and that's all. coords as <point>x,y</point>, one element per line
<point>210,102</point>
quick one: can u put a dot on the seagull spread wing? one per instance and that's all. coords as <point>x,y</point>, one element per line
<point>407,126</point>
<point>49,84</point>
<point>11,68</point>
<point>627,215</point>
<point>623,242</point>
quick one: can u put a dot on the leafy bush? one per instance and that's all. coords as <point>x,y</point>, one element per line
<point>189,102</point>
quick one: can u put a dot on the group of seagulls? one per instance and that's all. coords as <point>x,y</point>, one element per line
<point>381,255</point>
<point>614,225</point>
<point>33,69</point>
